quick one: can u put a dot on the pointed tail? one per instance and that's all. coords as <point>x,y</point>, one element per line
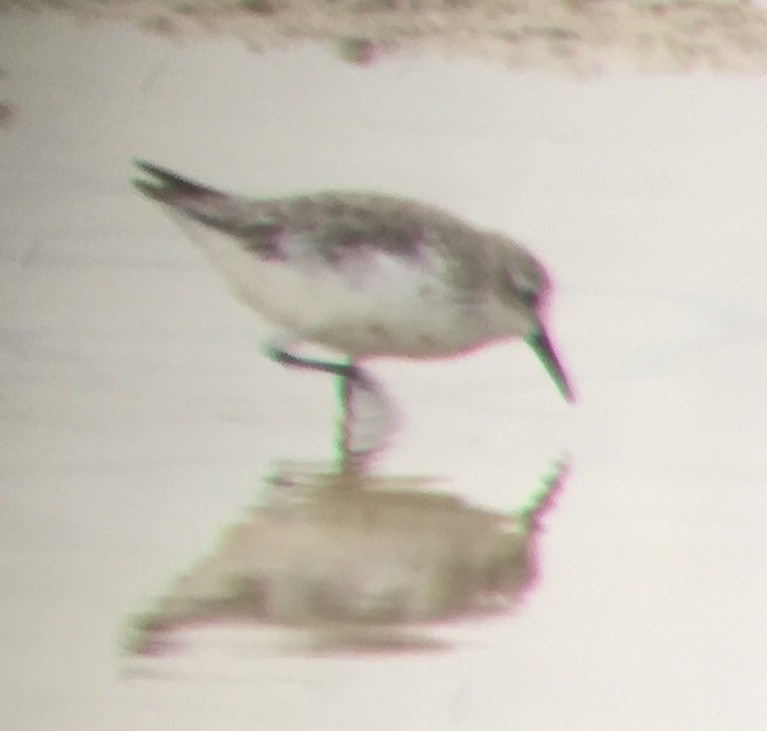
<point>173,190</point>
<point>231,214</point>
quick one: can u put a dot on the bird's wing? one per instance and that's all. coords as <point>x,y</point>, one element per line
<point>335,227</point>
<point>242,218</point>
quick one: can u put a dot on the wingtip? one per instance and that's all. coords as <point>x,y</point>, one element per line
<point>162,174</point>
<point>149,190</point>
<point>146,166</point>
<point>163,183</point>
<point>159,176</point>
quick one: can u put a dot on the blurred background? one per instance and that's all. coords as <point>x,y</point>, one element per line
<point>138,417</point>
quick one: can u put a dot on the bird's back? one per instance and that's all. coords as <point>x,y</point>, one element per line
<point>364,273</point>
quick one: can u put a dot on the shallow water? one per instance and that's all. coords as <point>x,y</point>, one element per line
<point>138,417</point>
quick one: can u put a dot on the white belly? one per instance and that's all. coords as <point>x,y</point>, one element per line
<point>377,305</point>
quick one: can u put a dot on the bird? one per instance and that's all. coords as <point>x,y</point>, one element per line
<point>366,275</point>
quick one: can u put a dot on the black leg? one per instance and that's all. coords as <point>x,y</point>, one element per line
<point>346,461</point>
<point>348,371</point>
<point>350,377</point>
<point>282,356</point>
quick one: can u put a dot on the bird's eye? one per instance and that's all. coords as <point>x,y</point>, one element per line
<point>529,296</point>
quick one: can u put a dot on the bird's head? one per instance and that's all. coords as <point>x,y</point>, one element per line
<point>529,285</point>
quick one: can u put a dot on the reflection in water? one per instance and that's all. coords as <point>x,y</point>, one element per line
<point>348,639</point>
<point>366,422</point>
<point>356,563</point>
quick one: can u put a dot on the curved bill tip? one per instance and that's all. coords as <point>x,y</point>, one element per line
<point>542,346</point>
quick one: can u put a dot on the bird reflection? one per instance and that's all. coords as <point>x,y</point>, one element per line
<point>367,569</point>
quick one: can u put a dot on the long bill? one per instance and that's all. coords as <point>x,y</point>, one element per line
<point>542,346</point>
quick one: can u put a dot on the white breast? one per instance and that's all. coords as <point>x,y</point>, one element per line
<point>371,304</point>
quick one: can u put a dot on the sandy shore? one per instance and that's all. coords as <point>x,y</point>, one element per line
<point>581,36</point>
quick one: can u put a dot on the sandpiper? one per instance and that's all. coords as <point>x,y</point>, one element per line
<point>365,275</point>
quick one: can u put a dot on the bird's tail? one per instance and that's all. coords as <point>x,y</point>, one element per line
<point>201,203</point>
<point>166,187</point>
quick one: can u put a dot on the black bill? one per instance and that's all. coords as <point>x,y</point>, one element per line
<point>541,344</point>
